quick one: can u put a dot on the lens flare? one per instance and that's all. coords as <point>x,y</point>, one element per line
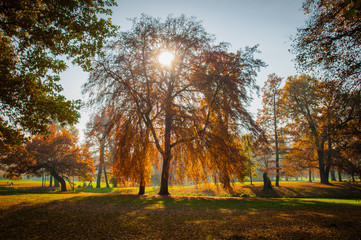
<point>165,58</point>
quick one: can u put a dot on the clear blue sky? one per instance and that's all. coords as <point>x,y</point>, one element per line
<point>269,23</point>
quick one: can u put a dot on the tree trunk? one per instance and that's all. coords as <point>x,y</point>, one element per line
<point>227,184</point>
<point>101,164</point>
<point>329,163</point>
<point>276,142</point>
<point>267,185</point>
<point>51,181</point>
<point>165,176</point>
<point>339,175</point>
<point>167,147</point>
<point>141,185</point>
<point>309,175</point>
<point>333,175</point>
<point>250,178</point>
<point>42,178</point>
<point>115,182</point>
<point>99,177</point>
<point>106,177</point>
<point>324,171</point>
<point>56,182</point>
<point>60,180</point>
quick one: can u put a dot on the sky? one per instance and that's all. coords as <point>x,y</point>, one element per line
<point>268,23</point>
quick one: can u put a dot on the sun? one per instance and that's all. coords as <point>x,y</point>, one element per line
<point>165,58</point>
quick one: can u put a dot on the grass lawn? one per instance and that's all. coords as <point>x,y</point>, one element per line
<point>116,214</point>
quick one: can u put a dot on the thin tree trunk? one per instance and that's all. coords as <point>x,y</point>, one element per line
<point>106,177</point>
<point>42,178</point>
<point>51,181</point>
<point>309,175</point>
<point>101,162</point>
<point>276,142</point>
<point>99,177</point>
<point>329,163</point>
<point>250,178</point>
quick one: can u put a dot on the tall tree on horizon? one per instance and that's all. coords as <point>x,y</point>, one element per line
<point>98,131</point>
<point>269,117</point>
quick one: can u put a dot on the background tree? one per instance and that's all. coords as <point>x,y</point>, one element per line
<point>269,116</point>
<point>347,132</point>
<point>98,131</point>
<point>312,111</point>
<point>180,103</point>
<point>330,41</point>
<point>134,153</point>
<point>263,157</point>
<point>35,36</point>
<point>57,153</point>
<point>301,158</point>
<point>248,149</point>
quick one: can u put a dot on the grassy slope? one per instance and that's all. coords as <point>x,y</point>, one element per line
<point>119,216</point>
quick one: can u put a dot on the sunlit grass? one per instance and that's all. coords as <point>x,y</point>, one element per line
<point>246,190</point>
<point>154,202</point>
<point>138,217</point>
<point>130,215</point>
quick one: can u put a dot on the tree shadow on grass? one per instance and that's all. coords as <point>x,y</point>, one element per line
<point>309,190</point>
<point>26,190</point>
<point>110,216</point>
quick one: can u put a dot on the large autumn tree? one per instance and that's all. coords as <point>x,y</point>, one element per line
<point>35,38</point>
<point>314,111</point>
<point>58,153</point>
<point>330,41</point>
<point>195,104</point>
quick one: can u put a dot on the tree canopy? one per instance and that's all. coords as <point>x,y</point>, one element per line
<point>195,106</point>
<point>330,41</point>
<point>35,38</point>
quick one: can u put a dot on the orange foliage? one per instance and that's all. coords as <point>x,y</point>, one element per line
<point>57,152</point>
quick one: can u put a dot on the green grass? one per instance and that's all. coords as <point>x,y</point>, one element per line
<point>286,190</point>
<point>107,195</point>
<point>118,213</point>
